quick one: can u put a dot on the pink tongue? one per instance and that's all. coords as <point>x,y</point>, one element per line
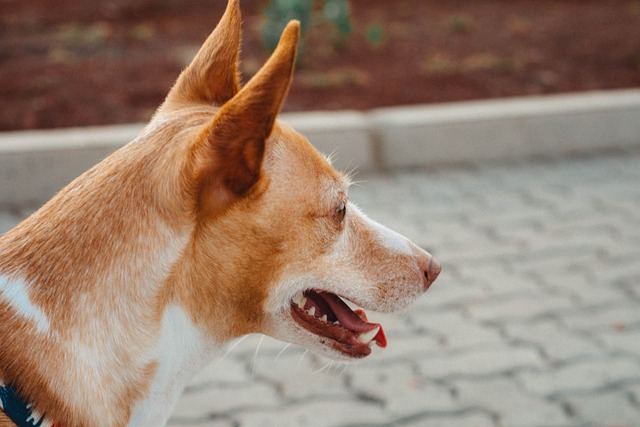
<point>346,316</point>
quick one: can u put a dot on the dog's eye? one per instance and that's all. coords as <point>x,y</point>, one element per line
<point>341,212</point>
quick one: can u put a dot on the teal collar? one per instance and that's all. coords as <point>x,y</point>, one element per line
<point>19,411</point>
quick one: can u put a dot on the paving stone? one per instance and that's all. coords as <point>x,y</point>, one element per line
<point>580,258</point>
<point>623,340</point>
<point>297,376</point>
<point>557,343</point>
<point>452,420</point>
<point>634,389</point>
<point>313,414</point>
<point>508,207</point>
<point>476,251</point>
<point>600,241</point>
<point>479,362</point>
<point>606,409</point>
<point>559,255</point>
<point>517,408</point>
<point>498,281</point>
<point>200,404</point>
<point>626,251</point>
<point>208,422</point>
<point>606,318</point>
<point>581,377</point>
<point>522,306</point>
<point>624,271</point>
<point>402,390</point>
<point>455,331</point>
<point>581,286</point>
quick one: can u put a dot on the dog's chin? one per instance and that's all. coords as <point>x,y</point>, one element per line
<point>324,323</point>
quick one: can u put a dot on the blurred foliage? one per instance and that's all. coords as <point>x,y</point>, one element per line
<point>310,13</point>
<point>460,24</point>
<point>375,34</point>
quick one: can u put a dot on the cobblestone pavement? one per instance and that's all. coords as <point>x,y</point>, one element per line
<point>535,320</point>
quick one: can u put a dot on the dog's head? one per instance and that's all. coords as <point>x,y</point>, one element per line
<point>276,246</point>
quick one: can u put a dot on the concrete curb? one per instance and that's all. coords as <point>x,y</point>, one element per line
<point>509,129</point>
<point>35,164</point>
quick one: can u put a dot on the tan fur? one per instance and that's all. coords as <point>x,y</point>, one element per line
<point>5,421</point>
<point>215,208</point>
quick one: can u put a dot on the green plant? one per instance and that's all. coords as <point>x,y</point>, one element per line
<point>460,24</point>
<point>279,12</point>
<point>84,36</point>
<point>337,13</point>
<point>375,35</point>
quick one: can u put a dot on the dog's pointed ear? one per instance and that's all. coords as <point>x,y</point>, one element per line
<point>230,150</point>
<point>212,77</point>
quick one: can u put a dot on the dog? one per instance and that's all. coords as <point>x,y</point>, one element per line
<point>217,221</point>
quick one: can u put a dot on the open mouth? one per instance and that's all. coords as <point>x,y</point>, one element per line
<point>328,316</point>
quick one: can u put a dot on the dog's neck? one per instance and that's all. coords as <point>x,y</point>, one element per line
<point>80,276</point>
<point>180,352</point>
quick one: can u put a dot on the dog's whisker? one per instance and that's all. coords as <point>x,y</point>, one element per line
<point>350,174</point>
<point>343,370</point>
<point>331,156</point>
<point>255,356</point>
<point>300,361</point>
<point>327,365</point>
<point>231,347</point>
<point>356,183</point>
<point>286,346</point>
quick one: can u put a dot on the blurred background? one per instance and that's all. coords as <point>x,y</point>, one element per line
<point>76,63</point>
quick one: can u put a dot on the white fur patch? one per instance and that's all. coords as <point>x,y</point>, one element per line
<point>388,238</point>
<point>15,293</point>
<point>182,350</point>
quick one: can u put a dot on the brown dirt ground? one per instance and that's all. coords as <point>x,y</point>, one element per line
<point>92,62</point>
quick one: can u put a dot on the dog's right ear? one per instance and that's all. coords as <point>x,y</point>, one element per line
<point>229,152</point>
<point>212,77</point>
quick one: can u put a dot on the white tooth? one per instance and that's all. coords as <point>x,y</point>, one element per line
<point>298,300</point>
<point>324,318</point>
<point>337,322</point>
<point>365,337</point>
<point>311,311</point>
<point>303,302</point>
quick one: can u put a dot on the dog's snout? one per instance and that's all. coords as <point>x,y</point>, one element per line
<point>432,271</point>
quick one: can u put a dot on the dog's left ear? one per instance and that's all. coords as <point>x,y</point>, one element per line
<point>229,153</point>
<point>212,77</point>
